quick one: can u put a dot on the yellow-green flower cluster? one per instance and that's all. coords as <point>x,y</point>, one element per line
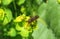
<point>23,9</point>
<point>19,18</point>
<point>26,27</point>
<point>1,14</point>
<point>11,32</point>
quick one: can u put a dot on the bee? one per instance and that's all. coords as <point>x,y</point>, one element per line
<point>33,19</point>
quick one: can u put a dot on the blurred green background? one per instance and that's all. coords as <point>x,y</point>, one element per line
<point>13,15</point>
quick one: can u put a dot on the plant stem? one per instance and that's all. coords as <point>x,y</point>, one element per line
<point>15,8</point>
<point>14,5</point>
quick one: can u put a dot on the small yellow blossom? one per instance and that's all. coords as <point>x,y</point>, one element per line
<point>23,9</point>
<point>27,18</point>
<point>26,25</point>
<point>19,18</point>
<point>24,33</point>
<point>1,14</point>
<point>18,28</point>
<point>12,32</point>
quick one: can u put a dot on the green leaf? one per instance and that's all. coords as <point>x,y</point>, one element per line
<point>8,16</point>
<point>20,2</point>
<point>42,32</point>
<point>42,11</point>
<point>6,2</point>
<point>53,15</point>
<point>51,35</point>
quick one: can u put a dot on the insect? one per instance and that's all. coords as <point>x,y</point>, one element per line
<point>33,19</point>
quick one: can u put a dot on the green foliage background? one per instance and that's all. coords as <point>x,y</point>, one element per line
<point>48,22</point>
